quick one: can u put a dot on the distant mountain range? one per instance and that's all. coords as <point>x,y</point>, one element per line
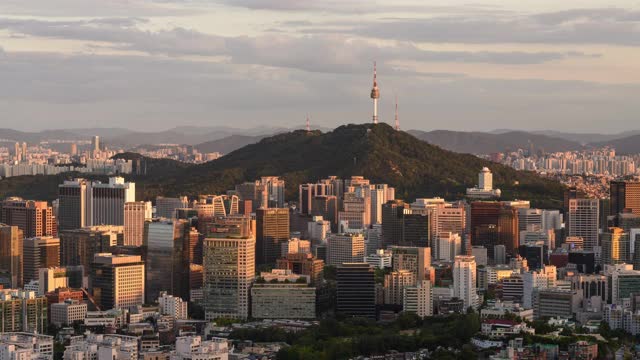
<point>378,152</point>
<point>486,143</point>
<point>227,139</point>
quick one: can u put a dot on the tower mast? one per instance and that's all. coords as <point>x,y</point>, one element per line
<point>308,124</point>
<point>375,94</point>
<point>397,119</point>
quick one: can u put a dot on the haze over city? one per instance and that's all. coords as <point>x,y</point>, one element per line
<point>152,65</point>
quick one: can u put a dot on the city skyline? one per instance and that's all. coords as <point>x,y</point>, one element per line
<point>157,64</point>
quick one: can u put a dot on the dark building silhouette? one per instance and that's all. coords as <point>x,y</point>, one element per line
<point>356,294</point>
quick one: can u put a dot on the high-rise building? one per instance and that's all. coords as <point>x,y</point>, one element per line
<point>318,229</point>
<point>166,206</point>
<point>52,278</point>
<point>464,280</point>
<point>392,222</point>
<point>135,216</point>
<point>494,223</point>
<point>356,210</point>
<point>34,218</point>
<point>395,284</point>
<point>173,306</point>
<point>117,281</point>
<point>418,299</point>
<point>356,293</point>
<point>167,265</point>
<point>583,221</point>
<point>78,247</point>
<point>616,247</point>
<point>272,229</point>
<point>107,201</point>
<point>11,256</point>
<point>303,264</point>
<point>448,246</point>
<point>402,226</point>
<point>82,203</point>
<point>327,207</point>
<point>22,311</point>
<point>95,144</point>
<point>229,270</point>
<point>40,252</point>
<point>73,204</point>
<point>414,259</point>
<point>345,248</point>
<point>282,294</point>
<point>529,219</point>
<point>624,195</point>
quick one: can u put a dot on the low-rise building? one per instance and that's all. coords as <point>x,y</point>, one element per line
<point>68,312</point>
<point>102,347</point>
<point>283,295</point>
<point>25,346</point>
<point>501,328</point>
<point>193,348</point>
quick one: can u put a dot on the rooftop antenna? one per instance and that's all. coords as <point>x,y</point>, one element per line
<point>375,93</point>
<point>308,124</point>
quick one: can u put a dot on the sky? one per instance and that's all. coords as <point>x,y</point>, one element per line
<point>476,65</point>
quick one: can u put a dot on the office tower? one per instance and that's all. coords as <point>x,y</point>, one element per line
<point>272,229</point>
<point>167,266</point>
<point>11,256</point>
<point>571,193</point>
<point>418,299</point>
<point>318,229</point>
<point>40,252</point>
<point>34,218</point>
<point>117,281</point>
<point>449,245</point>
<point>306,194</point>
<point>494,223</point>
<point>281,294</point>
<point>574,242</point>
<point>480,253</point>
<point>624,195</point>
<point>356,210</point>
<point>394,285</point>
<point>253,191</point>
<point>355,290</point>
<point>616,247</point>
<point>447,218</point>
<point>52,278</point>
<point>499,254</point>
<point>583,221</point>
<point>392,222</point>
<point>107,201</point>
<point>22,311</point>
<point>626,221</point>
<point>229,270</point>
<point>166,206</point>
<point>345,248</point>
<point>73,204</point>
<point>529,219</point>
<point>464,280</point>
<point>209,206</point>
<point>537,254</point>
<point>95,144</point>
<point>414,259</point>
<point>135,215</point>
<point>78,247</point>
<point>622,282</point>
<point>415,230</point>
<point>24,151</point>
<point>73,149</point>
<point>274,188</point>
<point>327,207</point>
<point>303,264</point>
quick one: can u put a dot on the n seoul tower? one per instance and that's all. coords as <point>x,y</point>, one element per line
<point>375,95</point>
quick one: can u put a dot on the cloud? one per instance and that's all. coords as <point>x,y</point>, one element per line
<point>42,90</point>
<point>578,26</point>
<point>333,53</point>
<point>92,8</point>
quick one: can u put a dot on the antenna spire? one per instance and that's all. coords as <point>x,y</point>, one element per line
<point>375,93</point>
<point>308,124</point>
<point>397,119</point>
